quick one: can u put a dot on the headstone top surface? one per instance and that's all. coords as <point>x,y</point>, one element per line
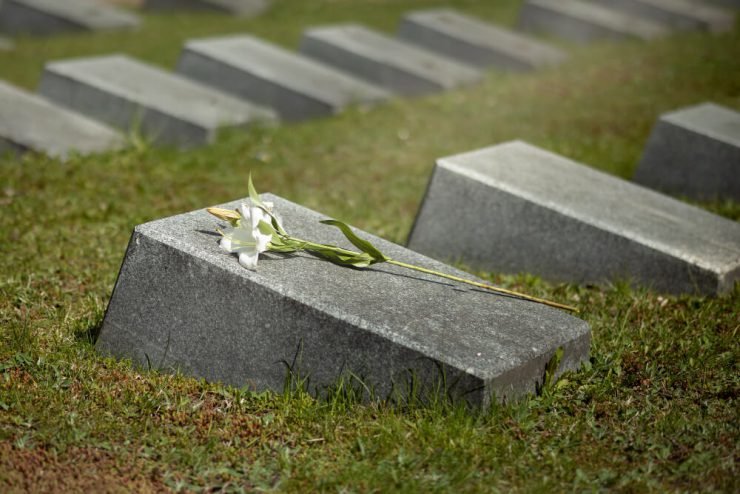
<point>34,123</point>
<point>658,221</point>
<point>717,121</point>
<point>477,331</point>
<point>287,69</point>
<point>386,50</point>
<point>156,88</point>
<point>482,34</point>
<point>86,13</point>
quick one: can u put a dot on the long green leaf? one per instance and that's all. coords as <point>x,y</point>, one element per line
<point>253,195</point>
<point>358,242</point>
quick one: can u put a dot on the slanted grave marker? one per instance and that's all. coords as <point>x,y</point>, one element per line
<point>515,208</point>
<point>395,65</point>
<point>180,302</point>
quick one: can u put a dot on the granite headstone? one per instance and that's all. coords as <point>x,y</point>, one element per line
<point>395,65</point>
<point>516,208</point>
<point>128,93</point>
<point>475,42</point>
<point>29,122</point>
<point>180,302</point>
<point>678,14</point>
<point>580,21</point>
<point>43,17</point>
<point>296,87</point>
<point>695,152</point>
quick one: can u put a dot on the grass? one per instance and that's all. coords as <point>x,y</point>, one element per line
<point>656,409</point>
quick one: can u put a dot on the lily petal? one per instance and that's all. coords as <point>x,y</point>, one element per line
<point>248,259</point>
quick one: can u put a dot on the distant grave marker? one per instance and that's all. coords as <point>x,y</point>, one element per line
<point>694,151</point>
<point>517,208</point>
<point>53,16</point>
<point>237,7</point>
<point>678,14</point>
<point>180,302</point>
<point>6,44</point>
<point>29,122</point>
<point>582,21</point>
<point>128,93</point>
<point>392,64</point>
<point>296,87</point>
<point>472,41</point>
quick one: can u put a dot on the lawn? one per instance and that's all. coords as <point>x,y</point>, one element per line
<point>655,410</point>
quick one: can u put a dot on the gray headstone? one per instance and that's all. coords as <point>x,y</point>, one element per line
<point>517,208</point>
<point>390,63</point>
<point>678,14</point>
<point>29,122</point>
<point>694,152</point>
<point>6,44</point>
<point>582,21</point>
<point>237,7</point>
<point>472,41</point>
<point>129,94</point>
<point>181,302</point>
<point>296,87</point>
<point>52,16</point>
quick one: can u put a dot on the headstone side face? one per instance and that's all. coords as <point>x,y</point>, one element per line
<point>43,17</point>
<point>31,123</point>
<point>17,18</point>
<point>289,104</point>
<point>119,111</point>
<point>237,7</point>
<point>8,147</point>
<point>691,160</point>
<point>181,303</point>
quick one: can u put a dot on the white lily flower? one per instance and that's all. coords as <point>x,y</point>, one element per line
<point>246,239</point>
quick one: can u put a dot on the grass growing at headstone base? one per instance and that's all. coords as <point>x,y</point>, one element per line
<point>656,409</point>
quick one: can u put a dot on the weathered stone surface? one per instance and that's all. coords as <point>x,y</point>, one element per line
<point>581,21</point>
<point>516,208</point>
<point>694,152</point>
<point>295,86</point>
<point>472,41</point>
<point>392,64</point>
<point>238,7</point>
<point>678,14</point>
<point>52,16</point>
<point>28,122</point>
<point>182,302</point>
<point>128,93</point>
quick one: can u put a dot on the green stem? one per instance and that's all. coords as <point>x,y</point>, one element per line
<point>306,245</point>
<point>483,285</point>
